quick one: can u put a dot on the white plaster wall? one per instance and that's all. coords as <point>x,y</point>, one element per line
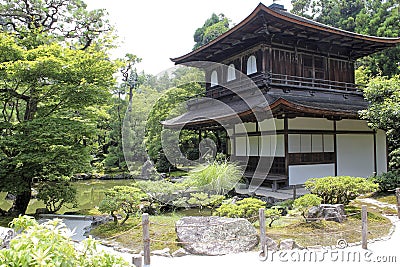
<point>252,149</point>
<point>299,174</point>
<point>245,127</point>
<point>355,154</point>
<point>272,145</point>
<point>310,124</point>
<point>241,146</point>
<point>271,124</point>
<point>352,125</point>
<point>381,156</point>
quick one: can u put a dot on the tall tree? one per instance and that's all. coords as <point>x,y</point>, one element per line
<point>212,28</point>
<point>48,90</point>
<point>371,17</point>
<point>384,112</point>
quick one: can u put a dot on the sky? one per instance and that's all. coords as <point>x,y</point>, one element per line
<point>157,30</point>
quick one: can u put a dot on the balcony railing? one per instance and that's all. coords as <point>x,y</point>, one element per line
<point>281,80</point>
<point>312,83</point>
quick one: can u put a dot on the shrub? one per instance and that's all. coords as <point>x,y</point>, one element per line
<point>340,189</point>
<point>49,244</point>
<point>388,181</point>
<point>125,198</point>
<point>204,200</point>
<point>273,214</point>
<point>245,208</point>
<point>304,203</point>
<point>56,194</point>
<point>217,178</point>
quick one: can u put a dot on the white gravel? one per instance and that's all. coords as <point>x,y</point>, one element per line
<point>384,252</point>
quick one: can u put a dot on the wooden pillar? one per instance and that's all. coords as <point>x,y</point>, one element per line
<point>146,239</point>
<point>335,146</point>
<point>398,201</point>
<point>286,139</point>
<point>233,143</point>
<point>364,227</point>
<point>375,158</point>
<point>263,236</point>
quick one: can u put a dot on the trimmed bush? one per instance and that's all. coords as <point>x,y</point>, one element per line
<point>304,203</point>
<point>340,189</point>
<point>388,181</point>
<point>245,208</point>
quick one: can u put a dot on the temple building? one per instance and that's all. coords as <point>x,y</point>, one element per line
<point>306,123</point>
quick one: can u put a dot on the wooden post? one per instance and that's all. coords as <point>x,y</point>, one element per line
<point>146,239</point>
<point>294,192</point>
<point>364,228</point>
<point>263,236</point>
<point>137,260</point>
<point>398,201</point>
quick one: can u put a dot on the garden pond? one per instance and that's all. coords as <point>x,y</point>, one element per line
<point>89,195</point>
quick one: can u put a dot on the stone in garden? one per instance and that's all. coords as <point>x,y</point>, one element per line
<point>271,244</point>
<point>288,244</point>
<point>164,252</point>
<point>42,211</point>
<point>180,253</point>
<point>6,234</point>
<point>327,212</point>
<point>216,235</point>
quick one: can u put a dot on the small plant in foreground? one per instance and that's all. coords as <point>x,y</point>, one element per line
<point>49,244</point>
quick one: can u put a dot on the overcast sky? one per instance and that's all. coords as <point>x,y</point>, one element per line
<point>157,30</point>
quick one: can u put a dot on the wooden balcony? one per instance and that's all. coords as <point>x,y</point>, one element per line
<point>268,80</point>
<point>312,84</point>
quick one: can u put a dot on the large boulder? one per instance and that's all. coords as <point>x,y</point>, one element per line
<point>6,234</point>
<point>216,235</point>
<point>327,212</point>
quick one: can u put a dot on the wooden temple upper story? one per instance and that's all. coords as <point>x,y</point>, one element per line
<point>278,49</point>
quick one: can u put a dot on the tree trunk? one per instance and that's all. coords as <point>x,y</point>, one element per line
<point>21,202</point>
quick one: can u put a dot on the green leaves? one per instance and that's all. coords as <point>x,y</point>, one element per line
<point>340,189</point>
<point>212,28</point>
<point>123,198</point>
<point>49,244</point>
<point>304,203</point>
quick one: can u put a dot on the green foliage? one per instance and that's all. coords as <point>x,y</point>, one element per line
<point>123,198</point>
<point>217,177</point>
<point>55,195</point>
<point>340,189</point>
<point>161,192</point>
<point>383,112</point>
<point>49,244</point>
<point>169,105</point>
<point>50,92</point>
<point>212,28</point>
<point>304,203</point>
<point>370,17</point>
<point>273,214</point>
<point>246,208</point>
<point>35,22</point>
<point>388,181</point>
<point>205,200</point>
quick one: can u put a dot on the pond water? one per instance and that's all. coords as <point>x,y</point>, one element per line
<point>76,223</point>
<point>89,195</point>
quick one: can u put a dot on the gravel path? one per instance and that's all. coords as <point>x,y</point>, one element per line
<point>383,252</point>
